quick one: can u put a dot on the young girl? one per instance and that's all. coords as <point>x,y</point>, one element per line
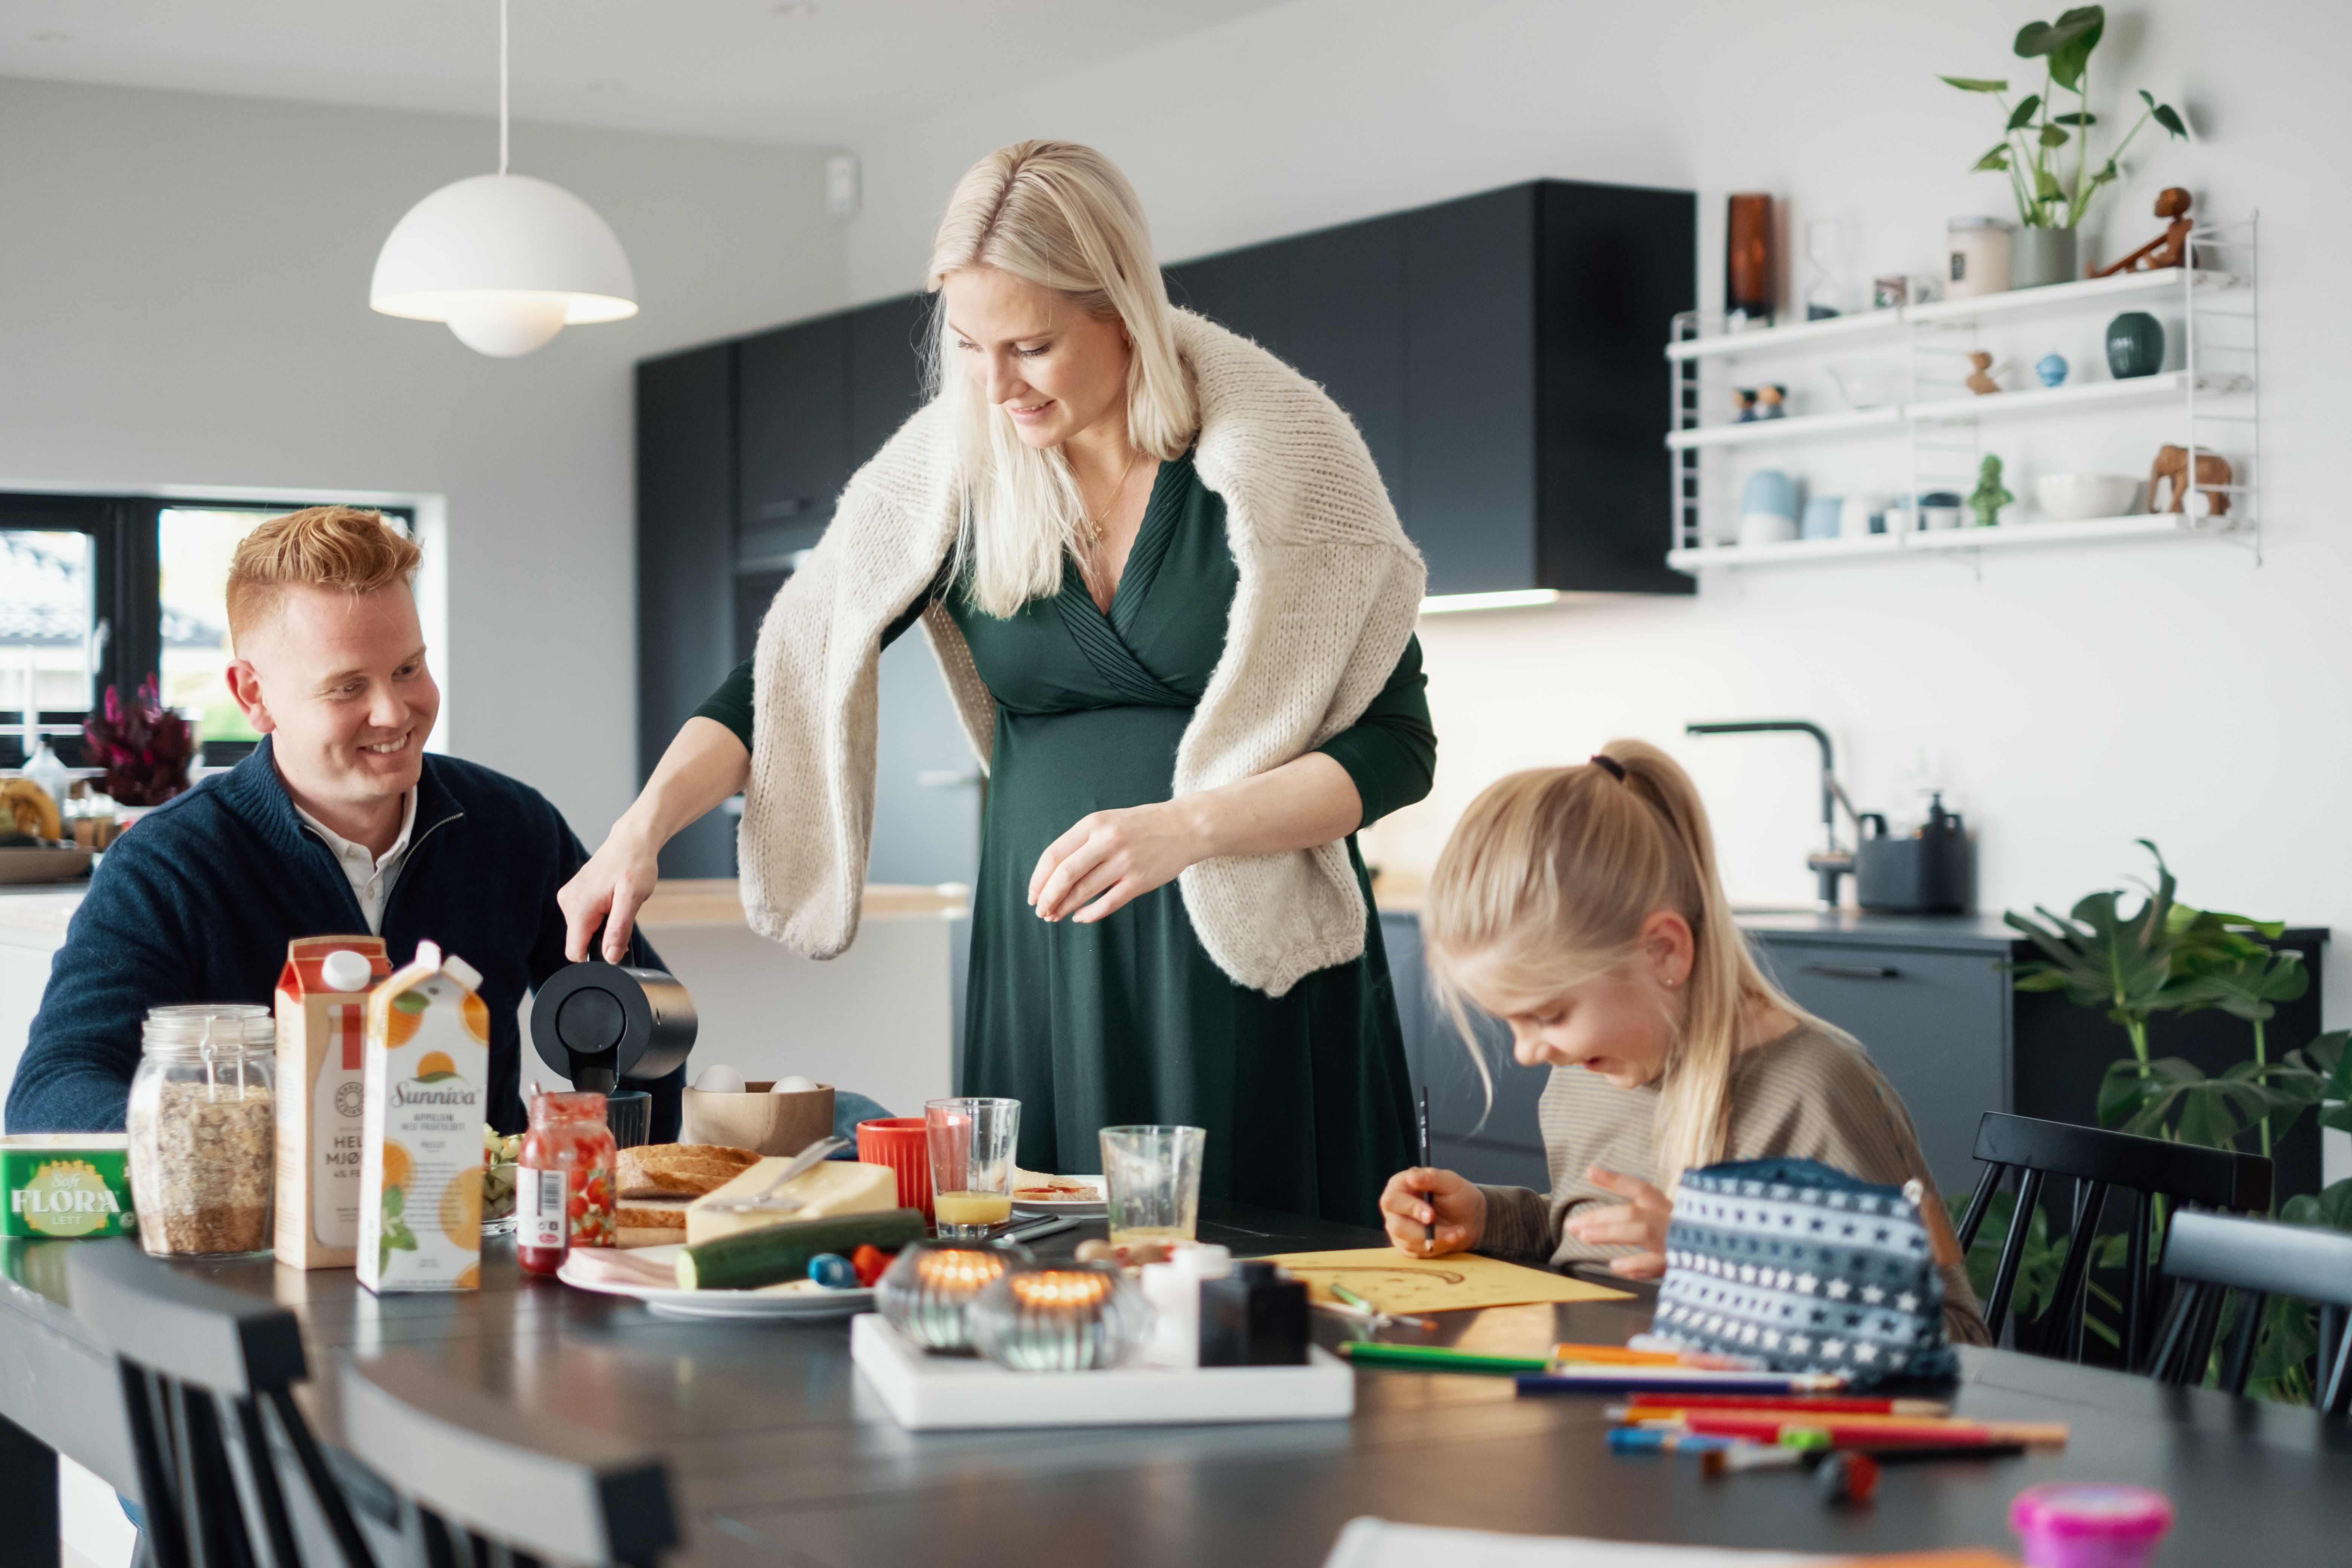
<point>1581,905</point>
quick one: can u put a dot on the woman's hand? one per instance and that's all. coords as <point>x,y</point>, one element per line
<point>702,767</point>
<point>1639,1221</point>
<point>1415,1197</point>
<point>608,891</point>
<point>1112,858</point>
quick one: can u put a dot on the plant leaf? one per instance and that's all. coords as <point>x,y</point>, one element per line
<point>2164,115</point>
<point>2075,119</point>
<point>2052,137</point>
<point>1978,84</point>
<point>2024,113</point>
<point>1996,159</point>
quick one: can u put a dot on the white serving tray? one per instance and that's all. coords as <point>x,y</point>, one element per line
<point>928,1392</point>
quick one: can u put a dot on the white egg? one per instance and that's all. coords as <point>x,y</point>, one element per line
<point>719,1078</point>
<point>793,1085</point>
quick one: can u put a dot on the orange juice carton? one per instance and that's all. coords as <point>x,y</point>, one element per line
<point>428,1070</point>
<point>322,1095</point>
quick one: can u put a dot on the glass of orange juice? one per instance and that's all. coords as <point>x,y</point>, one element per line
<point>971,1144</point>
<point>1152,1181</point>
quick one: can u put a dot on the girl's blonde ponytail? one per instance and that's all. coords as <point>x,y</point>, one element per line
<point>1547,882</point>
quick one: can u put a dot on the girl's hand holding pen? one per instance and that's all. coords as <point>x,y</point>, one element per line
<point>1415,1199</point>
<point>1641,1221</point>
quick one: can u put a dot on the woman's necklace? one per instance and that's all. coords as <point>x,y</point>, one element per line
<point>1096,522</point>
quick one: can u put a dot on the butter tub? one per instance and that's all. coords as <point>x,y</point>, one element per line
<point>66,1184</point>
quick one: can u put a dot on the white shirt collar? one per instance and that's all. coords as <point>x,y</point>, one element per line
<point>347,853</point>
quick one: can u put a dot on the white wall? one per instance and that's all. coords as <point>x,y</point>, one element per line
<point>2078,699</point>
<point>184,300</point>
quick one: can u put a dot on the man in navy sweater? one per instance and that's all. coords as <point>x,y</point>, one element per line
<point>337,823</point>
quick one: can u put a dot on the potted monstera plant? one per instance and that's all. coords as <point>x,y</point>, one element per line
<point>2045,147</point>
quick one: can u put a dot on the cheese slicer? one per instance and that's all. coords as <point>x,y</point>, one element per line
<point>765,1200</point>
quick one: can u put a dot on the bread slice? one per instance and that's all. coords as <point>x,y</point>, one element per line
<point>667,1216</point>
<point>678,1170</point>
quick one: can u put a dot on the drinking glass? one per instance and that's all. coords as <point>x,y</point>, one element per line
<point>971,1143</point>
<point>1152,1181</point>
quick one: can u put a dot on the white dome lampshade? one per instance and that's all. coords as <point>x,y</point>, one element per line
<point>507,260</point>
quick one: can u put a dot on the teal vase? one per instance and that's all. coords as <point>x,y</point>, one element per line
<point>2135,345</point>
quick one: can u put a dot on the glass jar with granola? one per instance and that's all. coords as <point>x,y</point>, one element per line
<point>203,1130</point>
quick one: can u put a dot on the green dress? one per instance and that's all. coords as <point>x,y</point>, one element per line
<point>1306,1096</point>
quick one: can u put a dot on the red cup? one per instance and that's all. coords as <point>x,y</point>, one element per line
<point>903,1144</point>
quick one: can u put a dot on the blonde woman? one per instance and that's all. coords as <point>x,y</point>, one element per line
<point>1581,905</point>
<point>1176,612</point>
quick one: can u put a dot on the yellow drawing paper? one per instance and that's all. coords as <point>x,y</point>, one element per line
<point>1393,1282</point>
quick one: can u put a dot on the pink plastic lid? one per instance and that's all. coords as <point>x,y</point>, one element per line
<point>2090,1510</point>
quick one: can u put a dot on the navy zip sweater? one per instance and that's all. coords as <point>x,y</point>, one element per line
<point>197,902</point>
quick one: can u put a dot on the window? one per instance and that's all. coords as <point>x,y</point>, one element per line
<point>99,591</point>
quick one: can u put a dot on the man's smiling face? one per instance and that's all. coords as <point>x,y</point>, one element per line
<point>339,681</point>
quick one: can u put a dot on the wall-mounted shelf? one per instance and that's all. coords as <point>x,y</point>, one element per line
<point>2164,387</point>
<point>1951,540</point>
<point>2208,406</point>
<point>1839,329</point>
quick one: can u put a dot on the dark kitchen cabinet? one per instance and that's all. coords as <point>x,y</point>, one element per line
<point>886,350</point>
<point>1497,1142</point>
<point>792,423</point>
<point>1500,354</point>
<point>686,558</point>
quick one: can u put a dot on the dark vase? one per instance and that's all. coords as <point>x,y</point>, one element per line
<point>2135,345</point>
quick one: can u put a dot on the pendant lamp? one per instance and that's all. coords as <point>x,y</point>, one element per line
<point>507,260</point>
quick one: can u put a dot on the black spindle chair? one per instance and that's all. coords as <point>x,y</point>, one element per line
<point>2098,1163</point>
<point>490,1486</point>
<point>2208,1254</point>
<point>185,1350</point>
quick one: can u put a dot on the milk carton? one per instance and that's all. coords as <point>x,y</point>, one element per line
<point>428,1068</point>
<point>322,1095</point>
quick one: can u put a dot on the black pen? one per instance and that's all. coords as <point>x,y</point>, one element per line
<point>1432,1227</point>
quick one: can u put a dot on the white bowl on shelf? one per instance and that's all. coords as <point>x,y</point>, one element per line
<point>1867,384</point>
<point>2070,498</point>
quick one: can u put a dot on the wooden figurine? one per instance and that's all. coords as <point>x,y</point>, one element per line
<point>1980,373</point>
<point>2169,249</point>
<point>1743,399</point>
<point>1989,496</point>
<point>2172,464</point>
<point>1772,401</point>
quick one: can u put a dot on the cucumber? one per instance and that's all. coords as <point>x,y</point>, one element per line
<point>775,1253</point>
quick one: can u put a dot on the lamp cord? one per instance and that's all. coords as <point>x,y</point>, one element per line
<point>503,86</point>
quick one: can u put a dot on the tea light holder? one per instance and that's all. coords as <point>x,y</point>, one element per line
<point>926,1293</point>
<point>1065,1317</point>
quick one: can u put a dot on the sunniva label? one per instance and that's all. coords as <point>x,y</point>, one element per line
<point>428,1037</point>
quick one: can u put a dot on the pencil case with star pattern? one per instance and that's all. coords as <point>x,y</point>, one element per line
<point>1805,1268</point>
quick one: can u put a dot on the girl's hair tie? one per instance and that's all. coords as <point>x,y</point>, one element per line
<point>1616,769</point>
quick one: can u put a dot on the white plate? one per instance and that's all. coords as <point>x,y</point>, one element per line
<point>1088,1207</point>
<point>800,1299</point>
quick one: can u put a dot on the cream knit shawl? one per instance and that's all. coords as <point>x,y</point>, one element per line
<point>1329,587</point>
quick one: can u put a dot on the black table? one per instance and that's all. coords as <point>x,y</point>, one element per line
<point>778,1455</point>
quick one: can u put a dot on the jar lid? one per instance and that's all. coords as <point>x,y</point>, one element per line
<point>568,1105</point>
<point>1975,223</point>
<point>217,1028</point>
<point>2081,1510</point>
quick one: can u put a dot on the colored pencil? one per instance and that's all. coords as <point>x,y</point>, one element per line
<point>1619,1356</point>
<point>1836,1404</point>
<point>1768,1427</point>
<point>1437,1358</point>
<point>1666,1380</point>
<point>1771,1457</point>
<point>1645,1439</point>
<point>1432,1227</point>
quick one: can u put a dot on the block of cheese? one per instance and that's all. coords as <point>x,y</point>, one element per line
<point>830,1188</point>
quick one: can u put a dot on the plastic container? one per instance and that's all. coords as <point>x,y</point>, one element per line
<point>2079,1524</point>
<point>203,1130</point>
<point>563,1180</point>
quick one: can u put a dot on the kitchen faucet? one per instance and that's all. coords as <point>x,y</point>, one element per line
<point>1831,861</point>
